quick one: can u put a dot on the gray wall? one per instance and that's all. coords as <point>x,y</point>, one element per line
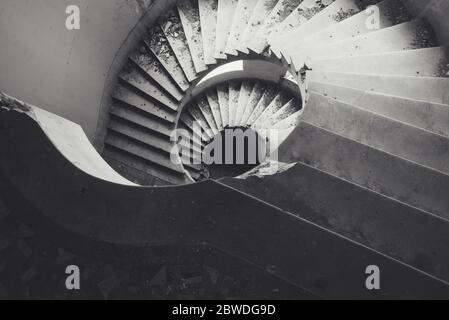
<point>63,71</point>
<point>437,12</point>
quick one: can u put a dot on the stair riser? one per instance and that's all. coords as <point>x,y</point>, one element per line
<point>378,222</point>
<point>367,167</point>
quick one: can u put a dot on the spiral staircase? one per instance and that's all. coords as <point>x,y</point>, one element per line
<point>361,172</point>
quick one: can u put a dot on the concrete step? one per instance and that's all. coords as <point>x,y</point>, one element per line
<point>142,134</point>
<point>280,12</point>
<point>191,124</point>
<point>188,139</point>
<point>205,108</point>
<point>261,11</point>
<point>364,216</point>
<point>223,100</point>
<point>212,99</point>
<point>234,94</point>
<point>416,34</point>
<point>160,47</point>
<point>142,103</point>
<point>256,95</point>
<point>334,13</point>
<point>426,89</point>
<point>147,63</point>
<point>430,62</point>
<point>135,80</point>
<point>428,116</point>
<point>141,118</point>
<point>245,93</point>
<point>241,18</point>
<point>283,113</point>
<point>200,120</point>
<point>171,24</point>
<point>137,176</point>
<point>226,12</point>
<point>136,147</point>
<point>392,12</point>
<point>208,18</point>
<point>267,98</point>
<point>377,131</point>
<point>305,11</point>
<point>381,172</point>
<point>290,122</point>
<point>189,13</point>
<point>266,116</point>
<point>147,167</point>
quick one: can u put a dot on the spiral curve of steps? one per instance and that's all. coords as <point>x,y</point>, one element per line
<point>376,101</point>
<point>366,156</point>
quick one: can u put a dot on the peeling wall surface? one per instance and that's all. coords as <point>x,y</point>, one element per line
<point>63,71</point>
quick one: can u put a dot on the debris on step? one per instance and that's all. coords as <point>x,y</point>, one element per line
<point>268,168</point>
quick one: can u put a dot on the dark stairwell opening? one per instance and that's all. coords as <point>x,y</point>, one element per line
<point>233,152</point>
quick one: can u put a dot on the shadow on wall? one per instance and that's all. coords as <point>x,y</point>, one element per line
<point>59,70</point>
<point>436,11</point>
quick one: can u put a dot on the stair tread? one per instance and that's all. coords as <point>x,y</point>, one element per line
<point>256,95</point>
<point>367,217</point>
<point>141,103</point>
<point>223,99</point>
<point>427,89</point>
<point>126,113</point>
<point>371,168</point>
<point>377,131</point>
<point>144,166</point>
<point>190,18</point>
<point>134,147</point>
<point>392,12</point>
<point>280,12</point>
<point>245,92</point>
<point>260,13</point>
<point>266,116</point>
<point>159,45</point>
<point>268,96</point>
<point>412,35</point>
<point>334,13</point>
<point>234,94</point>
<point>198,116</point>
<point>136,80</point>
<point>212,98</point>
<point>226,12</point>
<point>242,15</point>
<point>203,105</point>
<point>428,116</point>
<point>145,60</point>
<point>208,18</point>
<point>142,134</point>
<point>305,11</point>
<point>172,27</point>
<point>429,62</point>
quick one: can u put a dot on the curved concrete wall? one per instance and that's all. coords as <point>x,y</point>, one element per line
<point>59,70</point>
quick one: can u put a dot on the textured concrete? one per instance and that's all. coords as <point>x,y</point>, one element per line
<point>370,168</point>
<point>280,243</point>
<point>379,132</point>
<point>428,116</point>
<point>426,89</point>
<point>381,223</point>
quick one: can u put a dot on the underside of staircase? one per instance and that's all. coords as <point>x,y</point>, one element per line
<point>357,174</point>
